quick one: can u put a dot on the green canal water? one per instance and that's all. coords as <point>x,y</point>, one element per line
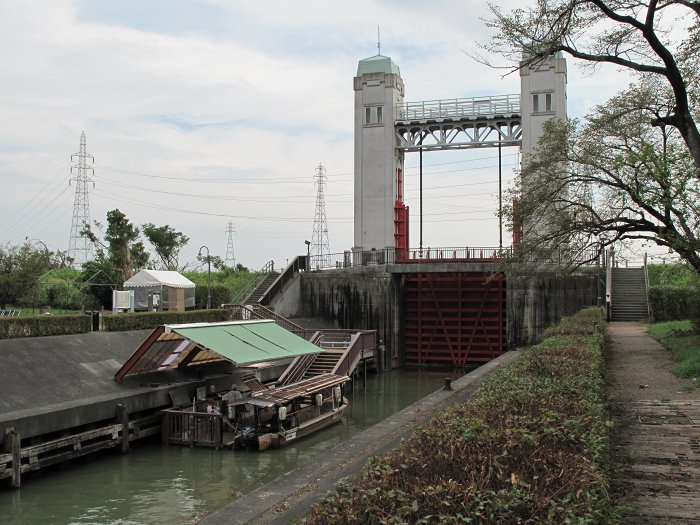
<point>156,485</point>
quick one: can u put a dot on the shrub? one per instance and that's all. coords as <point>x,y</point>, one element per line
<point>150,320</point>
<point>220,294</point>
<point>674,303</point>
<point>11,327</point>
<point>530,447</point>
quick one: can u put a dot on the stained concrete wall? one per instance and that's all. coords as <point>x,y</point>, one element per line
<point>362,298</point>
<point>535,302</point>
<point>372,298</point>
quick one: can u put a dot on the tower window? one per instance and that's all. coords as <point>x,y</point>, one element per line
<point>368,115</point>
<point>379,114</point>
<point>548,102</point>
<point>535,103</point>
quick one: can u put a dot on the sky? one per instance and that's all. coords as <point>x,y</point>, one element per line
<point>203,112</point>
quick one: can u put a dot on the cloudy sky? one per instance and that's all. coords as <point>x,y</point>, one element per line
<point>203,112</point>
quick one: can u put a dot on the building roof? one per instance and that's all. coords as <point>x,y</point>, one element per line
<point>240,342</point>
<point>146,278</point>
<point>377,64</point>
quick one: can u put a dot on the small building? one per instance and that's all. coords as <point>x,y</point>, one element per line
<point>161,290</point>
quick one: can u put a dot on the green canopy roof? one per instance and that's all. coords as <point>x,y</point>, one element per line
<point>241,342</point>
<point>247,342</point>
<point>377,64</point>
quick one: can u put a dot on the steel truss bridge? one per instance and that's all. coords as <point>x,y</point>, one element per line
<point>462,123</point>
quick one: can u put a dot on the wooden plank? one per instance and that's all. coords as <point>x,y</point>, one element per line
<point>123,419</point>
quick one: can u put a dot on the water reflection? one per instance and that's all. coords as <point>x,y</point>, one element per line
<point>156,485</point>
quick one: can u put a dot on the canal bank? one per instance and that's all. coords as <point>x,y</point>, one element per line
<point>156,485</point>
<point>290,495</point>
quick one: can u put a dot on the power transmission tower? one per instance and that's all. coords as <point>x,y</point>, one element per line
<point>230,256</point>
<point>79,246</point>
<point>320,248</point>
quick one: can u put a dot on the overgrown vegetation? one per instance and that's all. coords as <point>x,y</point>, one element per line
<point>672,275</point>
<point>149,320</point>
<point>683,340</point>
<point>530,447</point>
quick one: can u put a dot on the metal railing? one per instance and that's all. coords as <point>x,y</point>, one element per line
<point>246,312</point>
<point>297,265</point>
<point>488,107</point>
<point>192,428</point>
<point>255,281</point>
<point>361,342</point>
<point>461,254</point>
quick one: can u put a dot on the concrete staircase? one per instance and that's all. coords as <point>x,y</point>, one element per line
<point>259,290</point>
<point>629,295</point>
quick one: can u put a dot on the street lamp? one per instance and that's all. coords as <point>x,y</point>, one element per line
<point>308,255</point>
<point>199,258</point>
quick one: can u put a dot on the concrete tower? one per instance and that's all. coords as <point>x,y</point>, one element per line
<point>542,96</point>
<point>379,90</point>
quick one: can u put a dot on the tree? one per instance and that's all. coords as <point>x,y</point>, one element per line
<point>632,34</point>
<point>121,245</point>
<point>21,267</point>
<point>610,179</point>
<point>630,169</point>
<point>167,244</point>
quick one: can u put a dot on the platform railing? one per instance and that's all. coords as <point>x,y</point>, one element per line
<point>457,108</point>
<point>192,428</point>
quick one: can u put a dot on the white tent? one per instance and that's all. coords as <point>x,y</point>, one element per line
<point>156,290</point>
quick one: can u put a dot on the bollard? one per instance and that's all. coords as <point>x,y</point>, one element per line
<point>448,384</point>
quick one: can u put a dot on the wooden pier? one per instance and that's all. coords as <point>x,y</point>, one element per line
<point>18,460</point>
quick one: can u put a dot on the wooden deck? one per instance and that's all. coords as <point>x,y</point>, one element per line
<point>658,445</point>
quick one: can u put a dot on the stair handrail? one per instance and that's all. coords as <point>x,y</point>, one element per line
<point>298,264</point>
<point>298,367</point>
<point>646,289</point>
<point>265,313</point>
<point>360,342</point>
<point>255,281</point>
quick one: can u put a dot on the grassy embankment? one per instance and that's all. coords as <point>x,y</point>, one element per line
<point>531,446</point>
<point>681,338</point>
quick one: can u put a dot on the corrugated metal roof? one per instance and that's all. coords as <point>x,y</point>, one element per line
<point>249,341</point>
<point>158,278</point>
<point>242,342</point>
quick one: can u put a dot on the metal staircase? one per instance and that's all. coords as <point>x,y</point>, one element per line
<point>629,295</point>
<point>339,350</point>
<point>260,290</point>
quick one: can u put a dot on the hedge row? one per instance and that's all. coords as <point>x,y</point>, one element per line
<point>675,303</point>
<point>530,447</point>
<point>149,320</point>
<point>44,325</point>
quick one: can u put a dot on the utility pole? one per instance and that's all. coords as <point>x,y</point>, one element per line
<point>79,247</point>
<point>230,260</point>
<point>320,248</point>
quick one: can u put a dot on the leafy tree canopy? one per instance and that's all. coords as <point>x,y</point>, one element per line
<point>630,169</point>
<point>167,244</point>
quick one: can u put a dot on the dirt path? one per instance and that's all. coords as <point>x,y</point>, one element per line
<point>657,430</point>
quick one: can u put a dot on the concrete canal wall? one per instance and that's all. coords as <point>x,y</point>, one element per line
<point>59,400</point>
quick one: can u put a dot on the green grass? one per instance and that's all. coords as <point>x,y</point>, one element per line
<point>684,342</point>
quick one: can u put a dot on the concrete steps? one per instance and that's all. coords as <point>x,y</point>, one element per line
<point>256,294</point>
<point>629,295</point>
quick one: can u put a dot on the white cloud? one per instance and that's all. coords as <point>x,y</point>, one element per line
<point>227,90</point>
